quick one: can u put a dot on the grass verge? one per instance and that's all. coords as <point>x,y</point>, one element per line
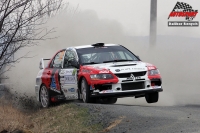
<point>65,118</point>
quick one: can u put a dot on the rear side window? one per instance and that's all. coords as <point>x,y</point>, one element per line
<point>58,59</point>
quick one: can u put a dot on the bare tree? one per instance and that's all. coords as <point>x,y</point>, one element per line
<point>19,25</point>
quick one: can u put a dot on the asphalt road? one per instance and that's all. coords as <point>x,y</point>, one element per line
<point>146,119</point>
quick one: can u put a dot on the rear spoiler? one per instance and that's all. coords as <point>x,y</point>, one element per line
<point>41,66</point>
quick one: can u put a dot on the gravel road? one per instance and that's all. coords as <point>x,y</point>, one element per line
<point>147,119</point>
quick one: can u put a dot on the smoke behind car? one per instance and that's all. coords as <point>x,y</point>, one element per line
<point>175,56</point>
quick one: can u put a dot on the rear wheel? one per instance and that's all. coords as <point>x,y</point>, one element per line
<point>44,97</point>
<point>152,97</point>
<point>85,91</point>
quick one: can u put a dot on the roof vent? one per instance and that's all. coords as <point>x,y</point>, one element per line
<point>98,45</point>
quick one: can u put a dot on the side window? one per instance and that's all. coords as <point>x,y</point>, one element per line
<point>58,59</point>
<point>69,56</point>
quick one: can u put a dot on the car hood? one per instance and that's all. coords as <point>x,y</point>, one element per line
<point>118,67</point>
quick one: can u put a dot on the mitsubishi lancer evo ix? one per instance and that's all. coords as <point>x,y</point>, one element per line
<point>98,72</point>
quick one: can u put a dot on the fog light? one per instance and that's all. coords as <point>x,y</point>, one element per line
<point>118,89</point>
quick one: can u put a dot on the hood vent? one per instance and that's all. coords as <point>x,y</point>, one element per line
<point>123,65</point>
<point>126,75</point>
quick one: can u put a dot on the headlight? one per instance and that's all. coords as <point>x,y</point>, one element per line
<point>154,72</point>
<point>101,76</point>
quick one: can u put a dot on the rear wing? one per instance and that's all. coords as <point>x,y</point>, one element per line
<point>41,66</point>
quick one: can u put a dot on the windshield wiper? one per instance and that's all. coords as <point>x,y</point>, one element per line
<point>116,61</point>
<point>90,63</point>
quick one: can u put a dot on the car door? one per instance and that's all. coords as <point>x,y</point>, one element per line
<point>54,70</point>
<point>68,76</point>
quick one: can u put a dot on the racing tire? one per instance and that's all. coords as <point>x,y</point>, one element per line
<point>79,97</point>
<point>152,97</point>
<point>44,97</point>
<point>108,100</point>
<point>85,90</point>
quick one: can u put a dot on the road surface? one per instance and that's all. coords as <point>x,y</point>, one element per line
<point>122,118</point>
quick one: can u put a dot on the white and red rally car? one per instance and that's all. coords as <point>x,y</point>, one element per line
<point>100,71</point>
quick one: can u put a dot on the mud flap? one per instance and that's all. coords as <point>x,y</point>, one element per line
<point>68,82</point>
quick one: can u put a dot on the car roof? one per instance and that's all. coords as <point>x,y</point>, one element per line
<point>90,46</point>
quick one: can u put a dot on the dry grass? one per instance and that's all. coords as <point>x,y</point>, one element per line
<point>12,119</point>
<point>65,118</point>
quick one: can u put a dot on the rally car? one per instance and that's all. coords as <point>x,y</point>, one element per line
<point>97,72</point>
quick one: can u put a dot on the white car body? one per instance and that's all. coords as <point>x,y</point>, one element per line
<point>117,78</point>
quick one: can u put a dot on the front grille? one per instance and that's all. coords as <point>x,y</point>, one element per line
<point>126,75</point>
<point>103,87</point>
<point>132,86</point>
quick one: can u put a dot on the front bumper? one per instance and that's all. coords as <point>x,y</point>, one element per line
<point>127,93</point>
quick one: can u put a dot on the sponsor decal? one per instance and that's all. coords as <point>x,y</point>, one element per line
<point>53,83</point>
<point>86,71</point>
<point>62,80</point>
<point>104,71</point>
<point>186,11</point>
<point>68,72</point>
<point>60,97</point>
<point>127,69</point>
<point>74,72</point>
<point>71,90</point>
<point>70,79</point>
<point>139,68</point>
<point>72,96</point>
<point>117,70</point>
<point>97,68</point>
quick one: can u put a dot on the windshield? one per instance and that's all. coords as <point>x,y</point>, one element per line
<point>96,55</point>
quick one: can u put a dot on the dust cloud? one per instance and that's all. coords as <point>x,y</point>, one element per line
<point>176,57</point>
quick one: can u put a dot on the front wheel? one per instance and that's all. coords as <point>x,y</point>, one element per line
<point>85,91</point>
<point>152,97</point>
<point>44,97</point>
